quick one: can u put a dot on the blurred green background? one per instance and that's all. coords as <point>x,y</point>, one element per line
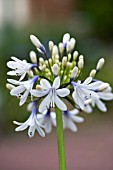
<point>90,22</point>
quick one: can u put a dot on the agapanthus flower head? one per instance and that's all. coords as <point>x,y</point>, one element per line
<point>56,81</point>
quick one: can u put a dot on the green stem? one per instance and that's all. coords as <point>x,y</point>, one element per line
<point>60,140</point>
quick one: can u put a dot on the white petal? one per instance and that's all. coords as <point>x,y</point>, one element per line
<point>77,119</point>
<point>74,112</point>
<point>17,123</point>
<point>31,131</point>
<point>79,100</point>
<point>94,85</point>
<point>48,125</point>
<point>17,90</point>
<point>88,109</point>
<point>11,73</point>
<point>87,81</point>
<point>45,84</point>
<point>21,127</point>
<point>22,77</point>
<point>44,104</point>
<point>60,104</point>
<point>38,93</point>
<point>62,92</point>
<point>40,131</point>
<point>24,98</point>
<point>72,126</point>
<point>15,82</point>
<point>101,105</point>
<point>56,83</point>
<point>106,95</point>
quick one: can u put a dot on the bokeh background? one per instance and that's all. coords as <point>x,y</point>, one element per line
<point>91,23</point>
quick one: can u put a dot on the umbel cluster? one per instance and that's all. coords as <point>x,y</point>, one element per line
<point>55,80</point>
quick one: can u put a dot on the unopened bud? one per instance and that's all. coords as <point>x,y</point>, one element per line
<point>61,47</point>
<point>100,64</point>
<point>69,57</point>
<point>81,57</point>
<point>66,38</point>
<point>74,72</point>
<point>30,73</point>
<point>80,64</point>
<point>38,87</point>
<point>92,73</point>
<point>73,41</point>
<point>33,57</point>
<point>41,60</point>
<point>37,43</point>
<point>55,69</point>
<point>75,55</point>
<point>55,50</point>
<point>68,47</point>
<point>64,61</point>
<point>9,86</point>
<point>51,44</point>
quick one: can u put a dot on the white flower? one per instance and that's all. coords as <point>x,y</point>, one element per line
<point>52,93</point>
<point>24,86</point>
<point>70,118</point>
<point>47,119</point>
<point>32,123</point>
<point>84,91</point>
<point>20,68</point>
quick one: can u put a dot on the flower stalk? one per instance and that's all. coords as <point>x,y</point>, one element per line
<point>60,140</point>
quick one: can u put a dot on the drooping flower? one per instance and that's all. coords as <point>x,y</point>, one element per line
<point>20,68</point>
<point>32,123</point>
<point>84,91</point>
<point>52,93</point>
<point>23,87</point>
<point>47,119</point>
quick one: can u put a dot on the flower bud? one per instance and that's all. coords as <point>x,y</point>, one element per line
<point>92,73</point>
<point>55,69</point>
<point>38,87</point>
<point>55,50</point>
<point>61,47</point>
<point>66,38</point>
<point>80,64</point>
<point>74,72</point>
<point>75,55</point>
<point>68,47</point>
<point>38,44</point>
<point>51,44</point>
<point>33,57</point>
<point>100,64</point>
<point>73,41</point>
<point>64,61</point>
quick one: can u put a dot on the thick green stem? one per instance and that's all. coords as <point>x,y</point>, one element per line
<point>60,140</point>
